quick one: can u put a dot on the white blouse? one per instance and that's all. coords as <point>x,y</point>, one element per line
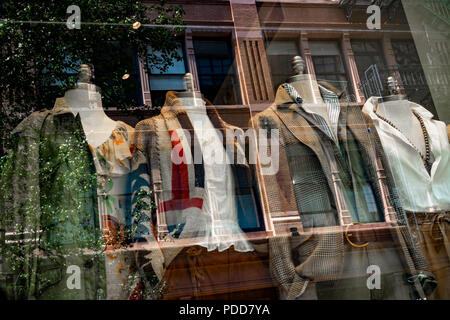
<point>419,191</point>
<point>217,225</point>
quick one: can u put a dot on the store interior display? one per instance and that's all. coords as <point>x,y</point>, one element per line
<point>234,150</point>
<point>344,170</point>
<point>197,196</point>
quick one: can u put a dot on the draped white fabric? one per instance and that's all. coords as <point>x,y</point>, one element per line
<point>217,225</point>
<point>419,190</point>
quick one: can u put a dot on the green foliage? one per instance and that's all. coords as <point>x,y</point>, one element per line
<point>52,212</point>
<point>40,55</point>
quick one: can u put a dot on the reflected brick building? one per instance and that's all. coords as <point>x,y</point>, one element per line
<point>239,51</point>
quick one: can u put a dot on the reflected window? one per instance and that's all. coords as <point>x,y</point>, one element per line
<point>413,80</point>
<point>216,72</point>
<point>329,68</point>
<point>367,53</point>
<point>327,59</point>
<point>111,62</point>
<point>170,79</point>
<point>280,54</point>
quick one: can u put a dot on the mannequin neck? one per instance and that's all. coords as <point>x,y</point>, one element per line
<point>193,104</point>
<point>86,102</point>
<point>307,87</point>
<point>394,109</point>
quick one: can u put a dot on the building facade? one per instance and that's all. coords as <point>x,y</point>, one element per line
<point>239,51</point>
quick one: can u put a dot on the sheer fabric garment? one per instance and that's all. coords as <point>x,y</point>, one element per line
<point>419,191</point>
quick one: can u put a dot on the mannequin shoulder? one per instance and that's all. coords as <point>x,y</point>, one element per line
<point>125,127</point>
<point>146,125</point>
<point>147,129</point>
<point>32,124</point>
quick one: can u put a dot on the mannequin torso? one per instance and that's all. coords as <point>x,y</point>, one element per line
<point>86,101</point>
<point>308,89</point>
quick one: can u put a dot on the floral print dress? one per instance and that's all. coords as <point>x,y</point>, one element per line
<point>113,163</point>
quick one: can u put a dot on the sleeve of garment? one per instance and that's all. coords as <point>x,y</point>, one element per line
<point>143,202</point>
<point>292,286</point>
<point>148,263</point>
<point>20,205</point>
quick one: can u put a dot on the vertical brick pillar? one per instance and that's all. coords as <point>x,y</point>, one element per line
<point>145,87</point>
<point>192,66</point>
<point>349,59</point>
<point>251,59</point>
<point>306,53</point>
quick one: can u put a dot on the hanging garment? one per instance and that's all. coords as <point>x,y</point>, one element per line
<point>198,200</point>
<point>183,184</point>
<point>419,191</point>
<point>49,206</point>
<point>424,195</point>
<point>330,180</point>
<point>217,225</point>
<point>118,164</point>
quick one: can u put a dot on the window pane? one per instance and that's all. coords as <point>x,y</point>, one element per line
<point>371,54</point>
<point>211,47</point>
<point>279,55</point>
<point>282,47</point>
<point>178,67</point>
<point>324,48</point>
<point>412,76</point>
<point>215,70</point>
<point>166,82</point>
<point>204,66</point>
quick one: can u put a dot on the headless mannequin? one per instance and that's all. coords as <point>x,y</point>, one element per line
<point>308,88</point>
<point>398,110</point>
<point>85,100</point>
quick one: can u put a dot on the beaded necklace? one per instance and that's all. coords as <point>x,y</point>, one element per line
<point>427,157</point>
